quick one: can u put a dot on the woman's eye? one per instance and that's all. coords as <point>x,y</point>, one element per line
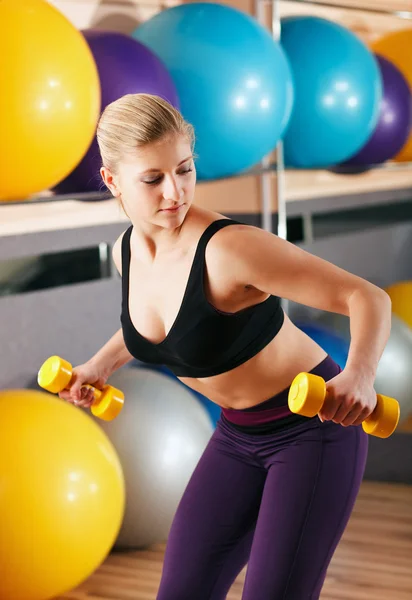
<point>159,179</point>
<point>153,181</point>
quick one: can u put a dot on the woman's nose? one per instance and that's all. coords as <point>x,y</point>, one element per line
<point>172,189</point>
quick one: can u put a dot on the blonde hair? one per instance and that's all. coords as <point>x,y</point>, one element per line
<point>135,120</point>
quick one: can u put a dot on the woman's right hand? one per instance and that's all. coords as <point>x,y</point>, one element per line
<point>85,374</point>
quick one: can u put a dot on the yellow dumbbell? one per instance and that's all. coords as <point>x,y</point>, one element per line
<point>55,375</point>
<point>308,393</point>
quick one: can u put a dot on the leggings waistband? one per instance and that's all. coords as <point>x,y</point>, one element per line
<point>276,408</point>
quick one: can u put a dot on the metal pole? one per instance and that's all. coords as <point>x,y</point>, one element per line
<point>282,229</point>
<point>104,260</point>
<point>265,178</point>
<point>280,167</point>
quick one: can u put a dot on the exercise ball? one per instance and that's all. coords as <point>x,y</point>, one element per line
<point>125,66</point>
<point>338,90</point>
<point>50,98</point>
<point>333,343</point>
<point>232,78</point>
<point>394,122</point>
<point>400,294</point>
<point>61,495</point>
<point>159,435</point>
<point>396,46</point>
<point>394,373</point>
<point>213,409</point>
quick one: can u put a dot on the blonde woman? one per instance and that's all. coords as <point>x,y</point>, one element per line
<point>201,296</point>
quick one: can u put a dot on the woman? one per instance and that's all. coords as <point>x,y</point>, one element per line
<point>201,295</point>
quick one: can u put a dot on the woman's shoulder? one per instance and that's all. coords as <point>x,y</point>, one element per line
<point>224,242</point>
<point>198,220</point>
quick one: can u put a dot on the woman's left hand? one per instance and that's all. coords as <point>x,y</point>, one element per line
<point>351,399</point>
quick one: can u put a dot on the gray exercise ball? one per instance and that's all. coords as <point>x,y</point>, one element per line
<point>159,435</point>
<point>394,373</point>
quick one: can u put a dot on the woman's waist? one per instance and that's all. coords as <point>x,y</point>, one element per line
<point>276,406</point>
<point>260,378</point>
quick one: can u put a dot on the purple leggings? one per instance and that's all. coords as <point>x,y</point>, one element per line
<point>278,502</point>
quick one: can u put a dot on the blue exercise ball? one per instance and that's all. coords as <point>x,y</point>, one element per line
<point>333,343</point>
<point>233,81</point>
<point>338,91</point>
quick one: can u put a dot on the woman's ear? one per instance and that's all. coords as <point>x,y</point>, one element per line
<point>110,181</point>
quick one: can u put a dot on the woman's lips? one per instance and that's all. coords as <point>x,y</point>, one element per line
<point>172,209</point>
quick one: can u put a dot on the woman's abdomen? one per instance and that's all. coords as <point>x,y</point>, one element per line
<point>264,375</point>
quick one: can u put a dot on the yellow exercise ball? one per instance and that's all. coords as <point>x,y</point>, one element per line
<point>397,47</point>
<point>50,97</point>
<point>62,495</point>
<point>400,294</point>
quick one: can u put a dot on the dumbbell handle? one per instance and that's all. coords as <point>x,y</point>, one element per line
<point>56,374</point>
<point>308,393</point>
<point>97,394</point>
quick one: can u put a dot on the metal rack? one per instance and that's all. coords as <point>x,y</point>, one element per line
<point>279,168</point>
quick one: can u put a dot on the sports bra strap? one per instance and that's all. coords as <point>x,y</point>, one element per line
<point>210,231</point>
<point>198,261</point>
<point>126,255</point>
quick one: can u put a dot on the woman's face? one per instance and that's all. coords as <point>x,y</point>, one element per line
<point>157,183</point>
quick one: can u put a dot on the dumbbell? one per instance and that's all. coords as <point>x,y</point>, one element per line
<point>308,393</point>
<point>55,375</point>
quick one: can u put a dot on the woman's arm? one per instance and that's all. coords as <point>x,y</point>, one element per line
<point>270,264</point>
<point>99,367</point>
<point>258,258</point>
<point>370,311</point>
<point>112,355</point>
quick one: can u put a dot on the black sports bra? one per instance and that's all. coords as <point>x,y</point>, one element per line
<point>203,341</point>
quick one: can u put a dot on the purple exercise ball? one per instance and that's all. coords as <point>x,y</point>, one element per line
<point>125,66</point>
<point>395,118</point>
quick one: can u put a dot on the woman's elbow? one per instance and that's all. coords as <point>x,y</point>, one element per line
<point>377,296</point>
<point>371,295</point>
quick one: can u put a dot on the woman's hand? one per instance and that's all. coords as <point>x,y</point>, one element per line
<point>351,398</point>
<point>87,374</point>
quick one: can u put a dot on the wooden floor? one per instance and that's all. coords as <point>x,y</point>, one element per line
<point>372,562</point>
